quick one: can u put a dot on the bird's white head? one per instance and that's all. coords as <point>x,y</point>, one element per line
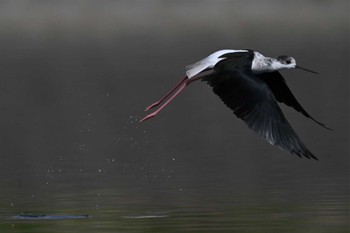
<point>285,62</point>
<point>262,64</point>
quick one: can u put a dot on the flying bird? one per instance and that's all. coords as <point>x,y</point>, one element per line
<point>249,83</point>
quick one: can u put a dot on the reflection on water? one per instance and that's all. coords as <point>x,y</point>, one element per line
<point>273,207</point>
<point>75,78</point>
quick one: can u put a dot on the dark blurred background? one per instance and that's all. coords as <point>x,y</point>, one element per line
<point>77,75</point>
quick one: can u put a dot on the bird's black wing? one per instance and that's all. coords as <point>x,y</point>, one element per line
<point>252,101</point>
<point>283,94</point>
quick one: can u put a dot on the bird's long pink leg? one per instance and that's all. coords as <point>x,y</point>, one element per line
<point>155,104</point>
<point>153,114</point>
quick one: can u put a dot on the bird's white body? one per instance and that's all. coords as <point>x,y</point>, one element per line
<point>260,63</point>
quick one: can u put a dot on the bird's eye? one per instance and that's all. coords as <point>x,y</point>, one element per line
<point>288,61</point>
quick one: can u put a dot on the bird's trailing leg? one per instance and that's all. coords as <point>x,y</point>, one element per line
<point>155,104</point>
<point>153,114</point>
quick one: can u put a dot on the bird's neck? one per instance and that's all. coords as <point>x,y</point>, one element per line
<point>262,64</point>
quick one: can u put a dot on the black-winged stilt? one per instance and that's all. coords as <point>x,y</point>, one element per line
<point>249,84</point>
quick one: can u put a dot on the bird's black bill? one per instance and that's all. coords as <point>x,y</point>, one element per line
<point>302,68</point>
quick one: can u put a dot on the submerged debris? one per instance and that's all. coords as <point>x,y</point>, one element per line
<point>49,217</point>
